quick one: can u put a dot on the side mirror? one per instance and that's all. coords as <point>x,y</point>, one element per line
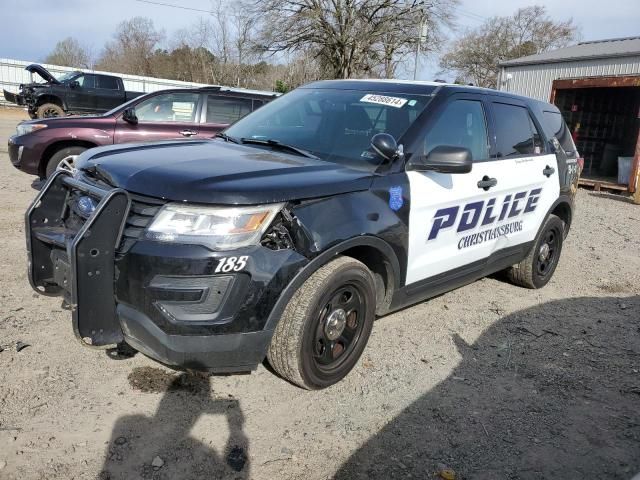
<point>74,84</point>
<point>129,116</point>
<point>444,159</point>
<point>386,146</point>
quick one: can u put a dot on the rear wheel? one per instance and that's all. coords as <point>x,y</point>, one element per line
<point>325,326</point>
<point>66,155</point>
<point>537,268</point>
<point>47,110</point>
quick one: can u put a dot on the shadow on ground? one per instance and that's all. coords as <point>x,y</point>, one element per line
<point>161,447</point>
<point>548,392</point>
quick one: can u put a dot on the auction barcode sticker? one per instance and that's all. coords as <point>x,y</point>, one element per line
<point>384,100</point>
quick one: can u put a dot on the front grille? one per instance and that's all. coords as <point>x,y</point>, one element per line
<point>142,211</point>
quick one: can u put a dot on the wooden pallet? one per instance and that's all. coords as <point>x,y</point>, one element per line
<point>600,184</point>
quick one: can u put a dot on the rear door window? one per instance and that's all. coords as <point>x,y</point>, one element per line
<point>556,124</point>
<point>516,134</point>
<point>226,110</point>
<point>110,83</point>
<point>461,124</point>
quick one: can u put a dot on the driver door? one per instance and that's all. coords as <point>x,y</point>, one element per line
<point>167,116</point>
<point>81,95</point>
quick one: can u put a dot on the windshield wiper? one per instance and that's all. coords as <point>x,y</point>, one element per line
<point>278,145</point>
<point>226,137</point>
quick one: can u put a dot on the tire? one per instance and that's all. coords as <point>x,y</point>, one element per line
<point>47,110</point>
<point>60,155</point>
<point>537,268</point>
<point>315,345</point>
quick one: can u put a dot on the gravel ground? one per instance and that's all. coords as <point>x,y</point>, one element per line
<point>491,380</point>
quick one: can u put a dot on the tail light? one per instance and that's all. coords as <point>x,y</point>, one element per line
<point>581,163</point>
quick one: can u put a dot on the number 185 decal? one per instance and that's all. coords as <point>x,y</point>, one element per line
<point>231,264</point>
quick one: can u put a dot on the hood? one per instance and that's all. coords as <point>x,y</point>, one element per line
<point>218,172</point>
<point>42,72</point>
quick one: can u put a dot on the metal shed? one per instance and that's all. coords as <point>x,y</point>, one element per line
<point>596,85</point>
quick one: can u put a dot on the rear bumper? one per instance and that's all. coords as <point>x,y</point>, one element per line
<point>164,300</point>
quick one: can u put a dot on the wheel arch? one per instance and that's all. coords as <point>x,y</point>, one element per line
<point>55,147</point>
<point>374,252</point>
<point>50,98</point>
<point>563,209</point>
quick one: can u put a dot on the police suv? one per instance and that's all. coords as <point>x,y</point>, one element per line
<point>288,234</point>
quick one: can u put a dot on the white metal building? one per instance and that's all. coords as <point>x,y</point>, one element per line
<point>596,85</point>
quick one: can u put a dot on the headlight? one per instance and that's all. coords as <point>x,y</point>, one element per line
<point>219,228</point>
<point>24,128</point>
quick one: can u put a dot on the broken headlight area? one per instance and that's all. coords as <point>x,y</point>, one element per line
<point>278,235</point>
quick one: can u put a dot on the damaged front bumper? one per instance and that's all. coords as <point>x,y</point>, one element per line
<point>163,299</point>
<point>16,98</point>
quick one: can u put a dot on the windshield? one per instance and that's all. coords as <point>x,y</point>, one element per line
<point>67,76</point>
<point>335,125</point>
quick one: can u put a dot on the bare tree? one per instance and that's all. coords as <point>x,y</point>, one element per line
<point>349,37</point>
<point>132,48</point>
<point>69,53</point>
<point>477,54</point>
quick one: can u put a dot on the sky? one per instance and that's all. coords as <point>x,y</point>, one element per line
<point>31,28</point>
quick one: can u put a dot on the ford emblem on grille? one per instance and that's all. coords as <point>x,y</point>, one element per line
<point>86,206</point>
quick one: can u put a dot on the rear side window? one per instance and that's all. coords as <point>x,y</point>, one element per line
<point>110,83</point>
<point>227,110</point>
<point>516,134</point>
<point>462,124</point>
<point>555,123</point>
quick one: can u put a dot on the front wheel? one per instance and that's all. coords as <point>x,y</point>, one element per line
<point>65,158</point>
<point>48,110</point>
<point>537,268</point>
<point>325,326</point>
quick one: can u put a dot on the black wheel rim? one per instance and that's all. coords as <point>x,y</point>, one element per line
<point>339,324</point>
<point>548,252</point>
<point>50,112</point>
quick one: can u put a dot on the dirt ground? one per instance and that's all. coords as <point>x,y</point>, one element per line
<point>491,380</point>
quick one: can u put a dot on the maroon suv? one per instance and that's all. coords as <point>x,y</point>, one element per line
<point>40,145</point>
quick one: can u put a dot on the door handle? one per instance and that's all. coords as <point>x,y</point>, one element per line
<point>188,133</point>
<point>486,183</point>
<point>548,171</point>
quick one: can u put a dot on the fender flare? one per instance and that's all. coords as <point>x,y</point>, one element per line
<point>561,200</point>
<point>59,99</point>
<point>322,259</point>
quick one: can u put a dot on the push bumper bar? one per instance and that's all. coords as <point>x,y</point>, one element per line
<point>78,265</point>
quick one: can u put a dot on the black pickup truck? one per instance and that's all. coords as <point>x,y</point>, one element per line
<point>73,92</point>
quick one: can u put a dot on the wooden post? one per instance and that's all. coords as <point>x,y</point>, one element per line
<point>634,178</point>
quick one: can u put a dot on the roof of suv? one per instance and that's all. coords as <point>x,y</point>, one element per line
<point>242,91</point>
<point>417,87</point>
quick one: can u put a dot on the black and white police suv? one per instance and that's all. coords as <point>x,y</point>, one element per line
<point>286,236</point>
